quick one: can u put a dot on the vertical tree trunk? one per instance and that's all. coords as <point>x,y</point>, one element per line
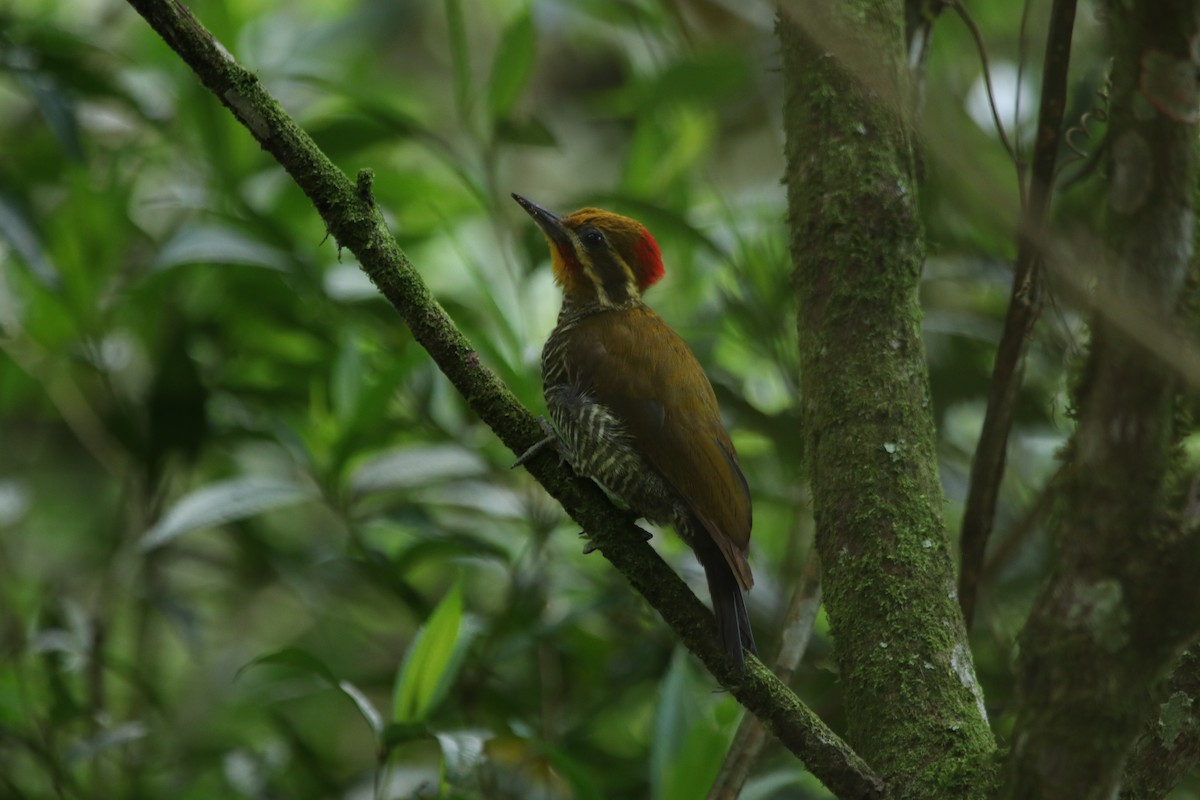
<point>1123,596</point>
<point>915,710</point>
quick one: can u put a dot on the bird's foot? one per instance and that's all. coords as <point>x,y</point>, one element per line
<point>551,438</point>
<point>631,517</point>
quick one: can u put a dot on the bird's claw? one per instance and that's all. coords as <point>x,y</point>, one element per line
<point>591,545</point>
<point>551,438</point>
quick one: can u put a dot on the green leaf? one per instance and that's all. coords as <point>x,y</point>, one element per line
<point>513,65</point>
<point>459,56</point>
<point>347,379</point>
<point>431,664</point>
<point>105,740</point>
<point>694,768</point>
<point>21,233</point>
<point>297,659</point>
<point>406,467</point>
<point>364,705</point>
<point>691,736</point>
<point>576,769</point>
<point>792,780</point>
<point>705,79</point>
<point>532,132</point>
<point>462,752</point>
<point>671,722</point>
<point>629,14</point>
<point>306,662</point>
<point>401,732</point>
<point>447,546</point>
<point>372,115</point>
<point>58,109</point>
<point>218,244</point>
<point>222,502</point>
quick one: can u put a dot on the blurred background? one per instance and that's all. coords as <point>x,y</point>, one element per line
<point>252,544</point>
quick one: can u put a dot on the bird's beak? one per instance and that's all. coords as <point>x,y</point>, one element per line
<point>549,222</point>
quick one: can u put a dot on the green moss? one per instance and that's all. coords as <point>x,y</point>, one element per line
<point>912,701</point>
<point>1174,717</point>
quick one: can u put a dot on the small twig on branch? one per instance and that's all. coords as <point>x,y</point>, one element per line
<point>1075,137</point>
<point>987,468</point>
<point>1021,51</point>
<point>358,225</point>
<point>965,16</point>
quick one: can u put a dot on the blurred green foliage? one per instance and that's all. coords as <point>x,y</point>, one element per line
<point>251,542</point>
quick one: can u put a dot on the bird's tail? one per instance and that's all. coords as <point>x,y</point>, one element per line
<point>729,606</point>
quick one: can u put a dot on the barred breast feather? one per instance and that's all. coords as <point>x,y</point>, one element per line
<point>609,395</point>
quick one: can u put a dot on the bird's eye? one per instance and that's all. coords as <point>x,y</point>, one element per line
<point>593,238</point>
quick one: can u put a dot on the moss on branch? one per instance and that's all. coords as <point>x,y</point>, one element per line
<point>348,211</point>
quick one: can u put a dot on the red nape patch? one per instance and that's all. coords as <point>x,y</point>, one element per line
<point>649,260</point>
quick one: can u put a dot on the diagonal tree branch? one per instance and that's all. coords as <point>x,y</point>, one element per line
<point>797,629</point>
<point>350,214</point>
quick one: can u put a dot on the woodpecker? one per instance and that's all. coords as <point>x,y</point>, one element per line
<point>633,408</point>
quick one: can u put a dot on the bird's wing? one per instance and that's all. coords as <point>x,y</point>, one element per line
<point>633,363</point>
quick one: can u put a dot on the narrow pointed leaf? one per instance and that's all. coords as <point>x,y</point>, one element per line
<point>295,658</point>
<point>306,662</point>
<point>512,67</point>
<point>433,660</point>
<point>409,466</point>
<point>364,705</point>
<point>222,502</point>
<point>459,56</point>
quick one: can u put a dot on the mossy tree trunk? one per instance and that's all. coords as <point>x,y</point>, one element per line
<point>915,710</point>
<point>1123,597</point>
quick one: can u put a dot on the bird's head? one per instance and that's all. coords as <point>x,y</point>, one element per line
<point>599,258</point>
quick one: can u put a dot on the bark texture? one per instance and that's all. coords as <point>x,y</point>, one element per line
<point>915,709</point>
